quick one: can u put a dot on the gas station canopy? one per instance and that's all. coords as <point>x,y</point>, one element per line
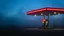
<point>46,11</point>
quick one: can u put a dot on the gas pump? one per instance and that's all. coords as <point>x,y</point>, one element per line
<point>45,23</point>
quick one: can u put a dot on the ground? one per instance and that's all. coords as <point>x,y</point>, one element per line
<point>29,31</point>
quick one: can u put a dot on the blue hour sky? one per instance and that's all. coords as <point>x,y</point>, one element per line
<point>13,13</point>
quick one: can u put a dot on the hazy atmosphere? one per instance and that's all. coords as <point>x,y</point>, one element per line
<point>13,13</point>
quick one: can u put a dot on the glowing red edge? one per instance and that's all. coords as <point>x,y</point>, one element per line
<point>44,9</point>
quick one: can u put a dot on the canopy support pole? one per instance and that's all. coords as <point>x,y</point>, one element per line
<point>48,21</point>
<point>44,22</point>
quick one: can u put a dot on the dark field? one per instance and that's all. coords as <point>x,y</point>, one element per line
<point>30,31</point>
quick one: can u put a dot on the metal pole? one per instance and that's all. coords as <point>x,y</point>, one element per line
<point>48,21</point>
<point>44,23</point>
<point>54,23</point>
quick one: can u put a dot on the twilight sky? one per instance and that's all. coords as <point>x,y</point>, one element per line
<point>13,13</point>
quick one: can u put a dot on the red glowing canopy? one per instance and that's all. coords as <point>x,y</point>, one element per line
<point>46,11</point>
